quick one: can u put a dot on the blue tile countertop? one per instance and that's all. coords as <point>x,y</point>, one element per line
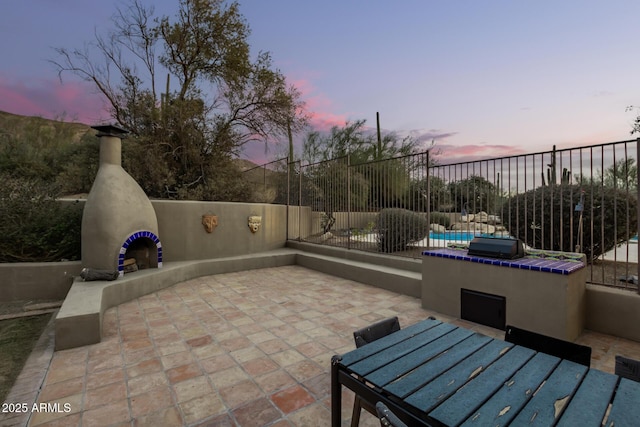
<point>545,261</point>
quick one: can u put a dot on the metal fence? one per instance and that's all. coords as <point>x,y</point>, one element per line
<point>581,199</point>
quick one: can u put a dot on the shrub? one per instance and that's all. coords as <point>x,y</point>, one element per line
<point>399,227</point>
<point>440,218</point>
<point>604,207</point>
<point>35,227</point>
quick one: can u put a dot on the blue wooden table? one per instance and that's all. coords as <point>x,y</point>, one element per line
<point>438,374</point>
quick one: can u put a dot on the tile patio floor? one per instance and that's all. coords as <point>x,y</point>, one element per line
<point>251,348</point>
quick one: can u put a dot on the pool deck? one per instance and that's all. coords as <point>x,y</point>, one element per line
<point>251,348</point>
<point>623,252</point>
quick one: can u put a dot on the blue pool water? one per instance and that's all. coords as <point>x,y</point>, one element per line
<point>461,236</point>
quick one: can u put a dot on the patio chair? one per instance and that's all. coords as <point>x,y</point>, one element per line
<point>388,418</point>
<point>365,336</point>
<point>556,347</point>
<point>628,368</point>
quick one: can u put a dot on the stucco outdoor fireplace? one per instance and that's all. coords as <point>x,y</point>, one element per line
<point>119,224</point>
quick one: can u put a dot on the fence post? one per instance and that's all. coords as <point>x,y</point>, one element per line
<point>428,203</point>
<point>289,165</point>
<point>349,201</point>
<point>300,202</point>
<point>637,204</point>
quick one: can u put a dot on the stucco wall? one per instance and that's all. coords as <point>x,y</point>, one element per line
<point>184,237</point>
<point>613,311</point>
<point>36,280</point>
<point>299,222</point>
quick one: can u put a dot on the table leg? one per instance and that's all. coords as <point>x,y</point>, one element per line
<point>336,394</point>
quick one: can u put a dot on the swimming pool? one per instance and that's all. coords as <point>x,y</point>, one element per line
<point>460,236</point>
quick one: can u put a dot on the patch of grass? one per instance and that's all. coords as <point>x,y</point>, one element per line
<point>17,339</point>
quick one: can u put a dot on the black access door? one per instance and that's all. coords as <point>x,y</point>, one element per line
<point>486,309</point>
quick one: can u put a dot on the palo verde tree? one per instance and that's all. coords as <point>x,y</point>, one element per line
<point>378,172</point>
<point>354,139</point>
<point>216,97</point>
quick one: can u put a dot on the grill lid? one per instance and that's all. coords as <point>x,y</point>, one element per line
<point>493,247</point>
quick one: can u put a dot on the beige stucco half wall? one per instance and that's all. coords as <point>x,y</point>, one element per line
<point>184,237</point>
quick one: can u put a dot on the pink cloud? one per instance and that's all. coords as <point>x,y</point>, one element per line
<point>324,121</point>
<point>73,101</point>
<point>449,153</point>
<point>318,106</point>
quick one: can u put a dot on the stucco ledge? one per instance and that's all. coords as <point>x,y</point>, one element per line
<point>79,321</point>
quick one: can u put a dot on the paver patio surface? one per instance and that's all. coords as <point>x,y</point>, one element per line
<point>251,348</point>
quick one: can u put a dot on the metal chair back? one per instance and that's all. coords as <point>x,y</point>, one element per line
<point>365,336</point>
<point>628,368</point>
<point>376,331</point>
<point>388,418</point>
<point>556,347</point>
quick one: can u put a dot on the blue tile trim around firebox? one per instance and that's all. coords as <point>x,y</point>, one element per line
<point>131,239</point>
<point>564,267</point>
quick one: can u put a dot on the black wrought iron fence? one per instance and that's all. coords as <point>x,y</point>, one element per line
<point>269,182</point>
<point>582,199</point>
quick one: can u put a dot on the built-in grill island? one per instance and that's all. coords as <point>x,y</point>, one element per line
<point>119,224</point>
<point>496,282</point>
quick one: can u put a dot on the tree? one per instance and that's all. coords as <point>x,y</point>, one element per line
<point>379,170</point>
<point>183,138</point>
<point>636,122</point>
<point>622,174</point>
<point>474,194</point>
<point>340,142</point>
<point>354,139</point>
<point>39,148</point>
<point>440,199</point>
<point>35,227</point>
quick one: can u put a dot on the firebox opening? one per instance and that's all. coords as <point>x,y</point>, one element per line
<point>141,250</point>
<point>145,253</point>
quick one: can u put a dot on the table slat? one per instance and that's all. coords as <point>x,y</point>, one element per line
<point>588,406</point>
<point>625,410</point>
<point>417,357</point>
<point>388,355</point>
<point>404,386</point>
<point>388,341</point>
<point>546,406</point>
<point>446,384</point>
<point>503,406</point>
<point>473,394</point>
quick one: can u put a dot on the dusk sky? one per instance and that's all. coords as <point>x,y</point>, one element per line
<point>482,78</point>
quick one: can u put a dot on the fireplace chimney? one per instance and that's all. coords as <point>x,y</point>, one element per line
<point>118,221</point>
